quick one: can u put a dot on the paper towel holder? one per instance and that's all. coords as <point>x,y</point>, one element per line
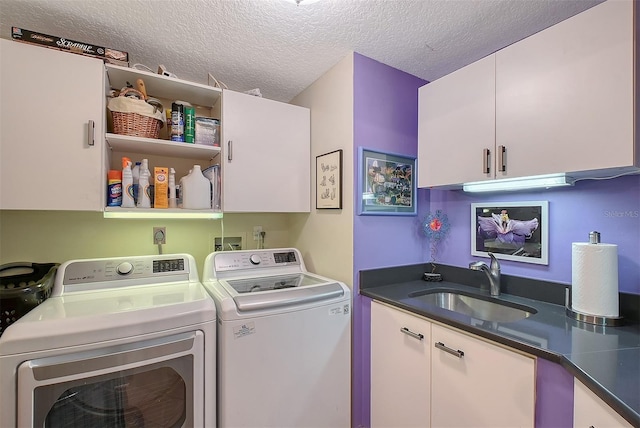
<point>588,318</point>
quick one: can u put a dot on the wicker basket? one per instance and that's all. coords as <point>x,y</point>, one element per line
<point>135,124</point>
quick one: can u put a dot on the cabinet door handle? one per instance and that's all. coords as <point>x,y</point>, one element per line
<point>502,158</point>
<point>91,133</point>
<point>486,158</point>
<point>418,336</point>
<point>458,353</point>
<point>229,148</point>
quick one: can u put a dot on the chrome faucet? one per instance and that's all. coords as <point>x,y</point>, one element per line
<point>493,273</point>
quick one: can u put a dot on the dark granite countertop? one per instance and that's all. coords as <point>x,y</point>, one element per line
<point>606,359</point>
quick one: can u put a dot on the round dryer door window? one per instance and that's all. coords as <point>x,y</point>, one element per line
<point>150,398</point>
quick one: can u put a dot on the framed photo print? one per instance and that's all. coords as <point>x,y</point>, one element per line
<point>517,231</point>
<point>386,183</point>
<point>329,180</point>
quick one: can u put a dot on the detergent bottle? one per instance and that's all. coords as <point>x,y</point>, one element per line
<point>144,196</point>
<point>173,203</point>
<point>196,190</point>
<point>135,171</point>
<point>127,185</point>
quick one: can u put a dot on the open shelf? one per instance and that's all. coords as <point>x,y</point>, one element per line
<point>160,86</point>
<point>150,146</point>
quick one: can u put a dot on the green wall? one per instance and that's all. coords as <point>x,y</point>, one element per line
<point>58,236</point>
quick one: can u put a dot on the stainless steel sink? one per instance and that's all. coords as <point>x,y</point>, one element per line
<point>475,306</point>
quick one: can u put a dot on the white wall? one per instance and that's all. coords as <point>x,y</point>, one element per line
<point>325,237</point>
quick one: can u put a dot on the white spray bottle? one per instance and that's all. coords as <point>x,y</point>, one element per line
<point>144,200</point>
<point>127,186</point>
<point>143,191</point>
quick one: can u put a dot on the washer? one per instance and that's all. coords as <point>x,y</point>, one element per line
<point>127,341</point>
<point>284,341</point>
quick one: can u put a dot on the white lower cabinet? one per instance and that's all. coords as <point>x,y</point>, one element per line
<point>589,411</point>
<point>400,368</point>
<point>477,384</point>
<point>428,375</point>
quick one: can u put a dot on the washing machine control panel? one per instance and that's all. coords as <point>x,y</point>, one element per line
<point>158,268</point>
<point>240,260</point>
<point>171,265</point>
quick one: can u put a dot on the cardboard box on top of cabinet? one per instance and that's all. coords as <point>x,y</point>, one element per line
<point>112,56</point>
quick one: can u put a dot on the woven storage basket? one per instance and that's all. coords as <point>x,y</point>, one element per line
<point>134,124</point>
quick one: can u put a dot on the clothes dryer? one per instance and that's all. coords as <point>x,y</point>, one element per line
<point>127,341</point>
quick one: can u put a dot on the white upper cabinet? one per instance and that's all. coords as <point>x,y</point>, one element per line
<point>56,148</point>
<point>50,155</point>
<point>266,165</point>
<point>559,101</point>
<point>457,126</point>
<point>565,96</point>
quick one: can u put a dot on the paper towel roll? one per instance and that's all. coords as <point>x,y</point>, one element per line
<point>594,279</point>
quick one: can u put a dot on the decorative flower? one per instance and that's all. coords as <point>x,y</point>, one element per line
<point>436,226</point>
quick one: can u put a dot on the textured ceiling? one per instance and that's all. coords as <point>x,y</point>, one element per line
<point>282,48</point>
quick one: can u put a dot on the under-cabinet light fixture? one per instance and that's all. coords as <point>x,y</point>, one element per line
<point>521,183</point>
<point>153,214</point>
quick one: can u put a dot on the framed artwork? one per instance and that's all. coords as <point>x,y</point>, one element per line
<point>386,183</point>
<point>517,231</point>
<point>329,180</point>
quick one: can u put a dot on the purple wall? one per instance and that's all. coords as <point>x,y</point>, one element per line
<point>386,119</point>
<point>611,207</point>
<point>554,395</point>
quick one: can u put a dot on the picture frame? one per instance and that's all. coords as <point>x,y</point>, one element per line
<point>517,231</point>
<point>386,183</point>
<point>329,180</point>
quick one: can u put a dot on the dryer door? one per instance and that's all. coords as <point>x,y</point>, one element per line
<point>155,382</point>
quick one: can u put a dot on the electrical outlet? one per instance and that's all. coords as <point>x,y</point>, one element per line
<point>159,235</point>
<point>256,232</point>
